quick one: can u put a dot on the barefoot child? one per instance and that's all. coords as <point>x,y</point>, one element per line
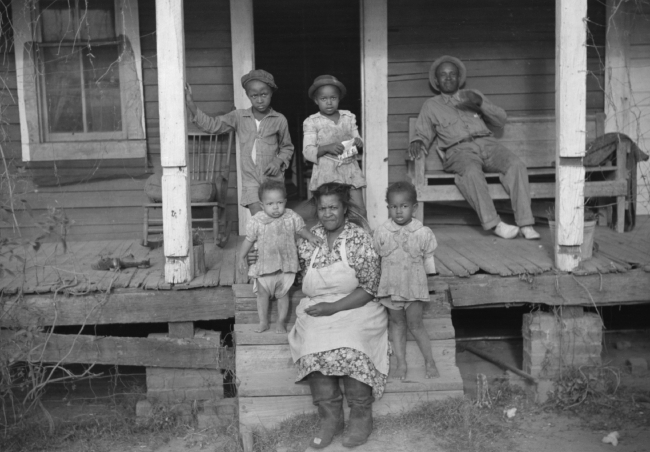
<point>263,135</point>
<point>331,139</point>
<point>274,230</point>
<point>406,248</point>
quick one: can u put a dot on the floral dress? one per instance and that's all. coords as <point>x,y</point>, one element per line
<point>320,131</point>
<point>365,262</point>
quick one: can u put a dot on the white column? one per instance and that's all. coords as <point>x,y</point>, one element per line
<point>570,113</point>
<point>243,61</point>
<point>374,86</point>
<point>617,80</point>
<point>177,215</point>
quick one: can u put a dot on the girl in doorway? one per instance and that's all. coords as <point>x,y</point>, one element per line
<point>263,134</point>
<point>331,139</point>
<point>406,248</point>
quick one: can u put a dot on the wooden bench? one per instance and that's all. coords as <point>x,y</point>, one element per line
<point>266,374</point>
<point>532,138</point>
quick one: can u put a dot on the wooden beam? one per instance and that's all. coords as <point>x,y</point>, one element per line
<point>24,34</point>
<point>374,86</point>
<point>570,111</point>
<point>125,351</point>
<point>553,290</point>
<point>177,215</point>
<point>538,190</point>
<point>121,306</point>
<point>618,92</point>
<point>617,66</point>
<point>243,61</point>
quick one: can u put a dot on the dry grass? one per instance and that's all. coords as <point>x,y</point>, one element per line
<point>456,423</point>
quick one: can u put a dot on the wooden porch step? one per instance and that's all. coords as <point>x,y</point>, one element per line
<point>268,370</point>
<point>268,412</point>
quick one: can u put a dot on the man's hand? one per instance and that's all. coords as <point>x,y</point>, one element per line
<point>358,142</point>
<point>274,168</point>
<point>321,310</point>
<point>416,149</point>
<point>189,100</point>
<point>469,100</point>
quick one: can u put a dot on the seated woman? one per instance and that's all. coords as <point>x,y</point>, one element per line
<point>341,330</point>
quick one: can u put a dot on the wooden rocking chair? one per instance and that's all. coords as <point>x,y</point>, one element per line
<point>209,157</point>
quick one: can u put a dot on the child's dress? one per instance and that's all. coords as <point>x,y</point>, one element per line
<point>277,261</point>
<point>260,143</point>
<point>406,257</point>
<point>320,131</point>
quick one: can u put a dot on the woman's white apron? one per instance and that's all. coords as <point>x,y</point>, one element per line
<point>364,329</point>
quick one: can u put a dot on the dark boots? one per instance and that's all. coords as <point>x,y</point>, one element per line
<point>359,396</point>
<point>327,397</point>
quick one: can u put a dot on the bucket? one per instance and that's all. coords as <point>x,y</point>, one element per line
<point>587,238</point>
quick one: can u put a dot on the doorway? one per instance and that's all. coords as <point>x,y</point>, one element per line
<point>296,41</point>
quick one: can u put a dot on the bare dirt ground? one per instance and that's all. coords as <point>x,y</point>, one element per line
<point>454,427</point>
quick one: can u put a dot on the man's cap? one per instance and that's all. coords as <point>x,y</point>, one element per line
<point>447,59</point>
<point>323,80</point>
<point>262,76</point>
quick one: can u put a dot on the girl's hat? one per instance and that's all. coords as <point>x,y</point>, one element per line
<point>323,80</point>
<point>262,76</point>
<point>462,71</point>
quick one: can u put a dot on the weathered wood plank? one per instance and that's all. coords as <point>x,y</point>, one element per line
<point>120,306</point>
<point>127,351</point>
<point>437,328</point>
<point>268,370</point>
<point>617,288</point>
<point>268,412</point>
<point>227,276</point>
<point>537,190</point>
<point>374,84</point>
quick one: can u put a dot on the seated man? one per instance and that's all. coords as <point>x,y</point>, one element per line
<point>455,120</point>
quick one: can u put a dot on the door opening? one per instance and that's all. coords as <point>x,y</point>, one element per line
<point>297,41</point>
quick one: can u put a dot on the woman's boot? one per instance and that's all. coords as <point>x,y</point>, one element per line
<point>359,396</point>
<point>327,397</point>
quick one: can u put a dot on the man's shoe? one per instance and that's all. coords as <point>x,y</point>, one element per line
<point>529,233</point>
<point>505,231</point>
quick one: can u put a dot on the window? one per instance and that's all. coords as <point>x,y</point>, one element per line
<point>81,81</point>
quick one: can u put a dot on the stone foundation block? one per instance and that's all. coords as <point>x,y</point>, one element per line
<point>637,366</point>
<point>183,395</point>
<point>552,342</point>
<point>165,378</point>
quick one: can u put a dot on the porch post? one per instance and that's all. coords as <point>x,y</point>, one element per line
<point>570,114</point>
<point>374,86</point>
<point>177,215</point>
<point>618,92</point>
<point>243,61</point>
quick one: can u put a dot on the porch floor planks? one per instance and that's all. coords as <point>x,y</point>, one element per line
<point>625,249</point>
<point>228,262</point>
<point>484,260</point>
<point>80,262</point>
<point>450,254</point>
<point>443,270</point>
<point>36,272</point>
<point>443,257</point>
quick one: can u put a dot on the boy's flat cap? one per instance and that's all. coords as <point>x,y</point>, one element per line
<point>261,75</point>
